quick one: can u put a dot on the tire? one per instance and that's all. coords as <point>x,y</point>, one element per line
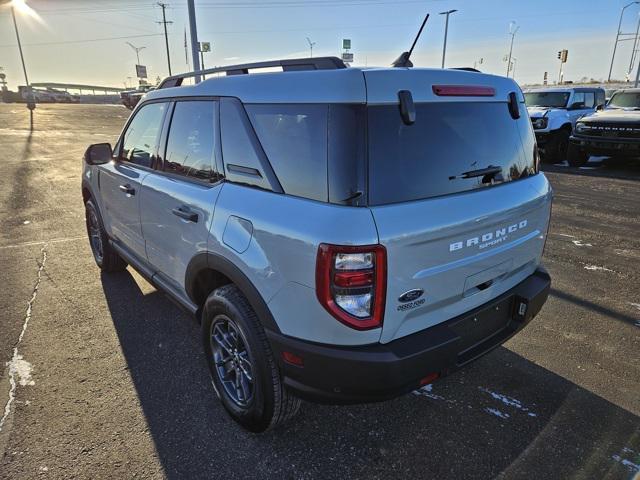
<point>248,383</point>
<point>106,258</point>
<point>556,148</point>
<point>576,157</point>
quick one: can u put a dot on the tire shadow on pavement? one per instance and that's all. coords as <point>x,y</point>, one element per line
<point>502,416</point>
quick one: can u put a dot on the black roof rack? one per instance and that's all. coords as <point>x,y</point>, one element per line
<point>296,64</point>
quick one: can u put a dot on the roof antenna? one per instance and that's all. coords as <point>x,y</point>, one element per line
<point>403,60</point>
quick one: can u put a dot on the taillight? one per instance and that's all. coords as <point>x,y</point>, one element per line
<point>351,283</point>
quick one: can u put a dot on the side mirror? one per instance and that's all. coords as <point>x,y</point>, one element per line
<point>576,106</point>
<point>600,107</point>
<point>98,153</point>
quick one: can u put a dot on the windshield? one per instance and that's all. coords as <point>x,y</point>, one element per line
<point>546,99</point>
<point>625,100</point>
<point>447,140</point>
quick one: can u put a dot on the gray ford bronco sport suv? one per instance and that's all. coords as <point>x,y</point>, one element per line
<point>343,235</point>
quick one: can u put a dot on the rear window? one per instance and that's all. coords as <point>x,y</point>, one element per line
<point>547,99</point>
<point>448,139</point>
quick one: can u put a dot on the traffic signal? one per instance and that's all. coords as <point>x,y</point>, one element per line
<point>562,55</point>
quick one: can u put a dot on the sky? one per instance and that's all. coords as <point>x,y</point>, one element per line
<point>83,41</point>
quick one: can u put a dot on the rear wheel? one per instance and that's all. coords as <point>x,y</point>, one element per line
<point>243,370</point>
<point>556,148</point>
<point>576,157</point>
<point>106,258</point>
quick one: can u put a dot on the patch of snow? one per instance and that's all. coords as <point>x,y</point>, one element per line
<point>508,401</point>
<point>566,235</point>
<point>18,367</point>
<point>590,168</point>
<point>596,267</point>
<point>26,222</point>
<point>637,305</point>
<point>497,413</point>
<point>578,243</point>
<point>426,391</point>
<point>563,163</point>
<point>633,467</point>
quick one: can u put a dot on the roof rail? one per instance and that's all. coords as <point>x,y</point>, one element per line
<point>296,64</point>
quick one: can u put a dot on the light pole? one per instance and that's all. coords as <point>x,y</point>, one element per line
<point>615,45</point>
<point>30,103</point>
<point>193,31</point>
<point>311,44</point>
<point>137,49</point>
<point>512,32</point>
<point>446,31</point>
<point>635,45</point>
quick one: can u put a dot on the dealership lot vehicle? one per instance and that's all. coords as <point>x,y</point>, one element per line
<point>121,389</point>
<point>613,132</point>
<point>554,112</point>
<point>406,272</point>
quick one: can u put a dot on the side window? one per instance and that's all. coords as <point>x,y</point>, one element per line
<point>578,97</point>
<point>140,140</point>
<point>191,141</point>
<point>589,100</point>
<point>294,137</point>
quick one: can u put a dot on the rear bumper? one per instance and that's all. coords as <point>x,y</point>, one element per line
<point>607,146</point>
<point>333,374</point>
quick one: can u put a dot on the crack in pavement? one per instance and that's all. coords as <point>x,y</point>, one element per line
<point>17,364</point>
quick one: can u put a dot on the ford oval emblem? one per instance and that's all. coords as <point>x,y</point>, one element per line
<point>411,295</point>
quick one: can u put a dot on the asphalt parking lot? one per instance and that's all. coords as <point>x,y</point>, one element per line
<point>103,377</point>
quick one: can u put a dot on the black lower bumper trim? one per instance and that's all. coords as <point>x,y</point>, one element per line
<point>335,374</point>
<point>607,146</point>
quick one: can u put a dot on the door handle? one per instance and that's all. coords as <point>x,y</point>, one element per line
<point>128,189</point>
<point>185,213</point>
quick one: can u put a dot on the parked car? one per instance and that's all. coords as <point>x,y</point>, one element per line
<point>130,98</point>
<point>612,132</point>
<point>554,112</point>
<point>343,235</point>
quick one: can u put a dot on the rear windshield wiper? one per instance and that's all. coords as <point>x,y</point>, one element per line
<point>490,173</point>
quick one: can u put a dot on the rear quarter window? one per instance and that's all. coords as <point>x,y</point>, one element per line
<point>294,138</point>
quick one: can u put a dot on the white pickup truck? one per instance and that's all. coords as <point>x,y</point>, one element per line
<point>554,112</point>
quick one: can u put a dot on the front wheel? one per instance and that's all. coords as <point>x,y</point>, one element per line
<point>556,148</point>
<point>105,257</point>
<point>576,157</point>
<point>243,370</point>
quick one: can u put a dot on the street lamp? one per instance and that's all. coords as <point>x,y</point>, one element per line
<point>512,32</point>
<point>615,45</point>
<point>311,44</point>
<point>23,8</point>
<point>137,49</point>
<point>446,30</point>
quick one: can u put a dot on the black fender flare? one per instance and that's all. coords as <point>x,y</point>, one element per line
<point>212,261</point>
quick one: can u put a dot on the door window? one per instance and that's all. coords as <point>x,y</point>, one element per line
<point>578,97</point>
<point>191,142</point>
<point>589,100</point>
<point>140,141</point>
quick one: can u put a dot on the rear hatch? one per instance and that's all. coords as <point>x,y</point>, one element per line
<point>460,241</point>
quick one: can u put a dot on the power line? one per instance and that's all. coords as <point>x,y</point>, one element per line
<point>88,40</point>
